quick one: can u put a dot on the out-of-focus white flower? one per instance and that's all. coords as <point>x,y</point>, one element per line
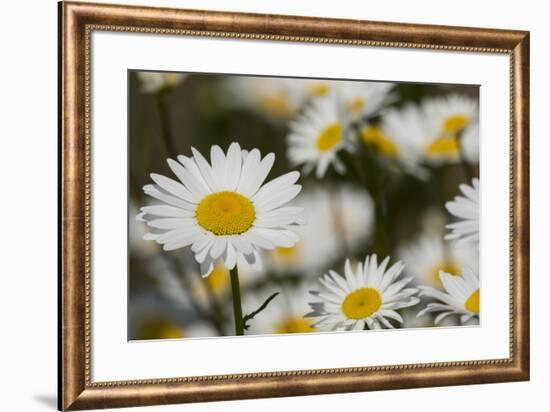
<point>366,297</point>
<point>275,98</point>
<point>460,297</point>
<point>399,137</point>
<point>218,283</point>
<point>137,229</point>
<point>285,314</point>
<point>361,99</point>
<point>448,118</point>
<point>438,131</point>
<point>339,219</point>
<point>429,255</point>
<point>152,318</point>
<point>316,137</point>
<point>222,209</point>
<point>467,209</point>
<point>318,87</point>
<point>152,82</point>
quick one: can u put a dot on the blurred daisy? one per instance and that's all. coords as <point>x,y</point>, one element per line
<point>179,293</point>
<point>285,314</point>
<point>429,255</point>
<point>352,215</point>
<point>152,82</point>
<point>362,99</point>
<point>398,137</point>
<point>341,216</point>
<point>465,208</point>
<point>318,87</point>
<point>153,318</point>
<point>218,283</point>
<point>366,297</point>
<point>470,143</point>
<point>317,136</point>
<point>460,297</point>
<point>274,98</point>
<point>447,119</point>
<point>137,229</point>
<point>222,209</point>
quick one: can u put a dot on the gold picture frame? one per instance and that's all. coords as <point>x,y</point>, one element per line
<point>79,20</point>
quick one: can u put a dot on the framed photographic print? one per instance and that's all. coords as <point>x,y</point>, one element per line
<point>260,205</point>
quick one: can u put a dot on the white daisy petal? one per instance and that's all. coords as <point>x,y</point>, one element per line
<point>250,165</point>
<point>220,244</point>
<point>259,175</point>
<point>205,169</point>
<point>233,166</point>
<point>466,209</point>
<point>166,211</point>
<point>155,192</point>
<point>174,188</point>
<point>218,160</point>
<point>276,199</point>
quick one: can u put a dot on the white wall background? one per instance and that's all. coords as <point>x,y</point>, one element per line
<point>28,188</point>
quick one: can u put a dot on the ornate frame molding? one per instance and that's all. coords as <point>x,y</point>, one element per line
<point>79,20</point>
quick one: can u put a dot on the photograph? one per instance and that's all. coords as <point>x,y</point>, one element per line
<point>263,205</point>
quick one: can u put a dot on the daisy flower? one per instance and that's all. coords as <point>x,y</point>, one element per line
<point>342,216</point>
<point>285,314</point>
<point>459,297</point>
<point>362,99</point>
<point>317,136</point>
<point>318,87</point>
<point>152,82</point>
<point>137,229</point>
<point>447,118</point>
<point>398,137</point>
<point>273,98</point>
<point>429,255</point>
<point>465,208</point>
<point>222,209</point>
<point>366,297</point>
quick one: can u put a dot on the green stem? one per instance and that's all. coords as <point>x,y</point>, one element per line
<point>237,309</point>
<point>166,133</point>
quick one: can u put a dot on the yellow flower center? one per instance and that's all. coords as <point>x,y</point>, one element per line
<point>455,124</point>
<point>286,254</point>
<point>356,105</point>
<point>373,136</point>
<point>218,280</point>
<point>329,137</point>
<point>446,266</point>
<point>226,213</point>
<point>294,325</point>
<point>472,303</point>
<point>276,104</point>
<point>446,146</point>
<point>160,329</point>
<point>172,79</point>
<point>361,303</point>
<point>319,89</point>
